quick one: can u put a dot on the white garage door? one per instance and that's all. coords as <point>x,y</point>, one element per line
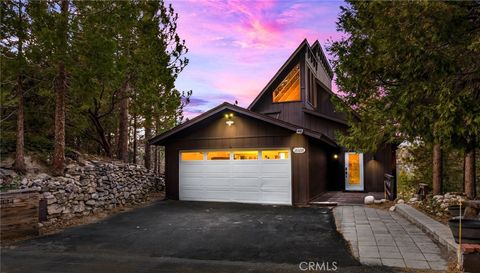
<point>246,176</point>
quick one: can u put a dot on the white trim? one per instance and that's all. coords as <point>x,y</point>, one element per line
<point>361,186</point>
<point>244,181</point>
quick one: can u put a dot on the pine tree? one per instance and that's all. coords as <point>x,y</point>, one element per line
<point>402,66</point>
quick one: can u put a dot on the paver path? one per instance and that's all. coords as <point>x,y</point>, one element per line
<point>380,237</point>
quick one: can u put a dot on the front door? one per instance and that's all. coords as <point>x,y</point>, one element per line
<point>354,172</point>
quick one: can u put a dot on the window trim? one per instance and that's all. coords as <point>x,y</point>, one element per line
<point>299,85</point>
<point>193,151</point>
<point>246,150</point>
<point>212,151</point>
<point>270,150</point>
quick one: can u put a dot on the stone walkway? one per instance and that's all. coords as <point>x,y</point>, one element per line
<point>380,237</point>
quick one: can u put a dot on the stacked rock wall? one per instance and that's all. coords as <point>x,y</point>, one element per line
<point>91,188</point>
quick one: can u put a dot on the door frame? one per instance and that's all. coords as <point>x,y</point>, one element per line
<point>348,186</point>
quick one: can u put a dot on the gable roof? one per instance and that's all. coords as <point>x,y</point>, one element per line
<point>323,58</point>
<point>158,140</point>
<point>304,43</point>
<point>286,64</point>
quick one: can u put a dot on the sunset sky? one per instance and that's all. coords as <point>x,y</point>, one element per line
<point>235,47</point>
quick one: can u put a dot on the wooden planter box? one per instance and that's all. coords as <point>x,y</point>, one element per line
<point>19,213</point>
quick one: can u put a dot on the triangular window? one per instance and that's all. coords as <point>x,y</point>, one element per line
<point>289,88</point>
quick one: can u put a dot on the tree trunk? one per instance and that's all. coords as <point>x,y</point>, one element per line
<point>148,135</point>
<point>58,165</point>
<point>134,138</point>
<point>104,141</point>
<point>19,164</point>
<point>155,167</point>
<point>123,126</point>
<point>437,169</point>
<point>469,174</point>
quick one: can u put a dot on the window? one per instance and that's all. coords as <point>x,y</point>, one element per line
<point>289,88</point>
<point>245,155</point>
<point>275,154</point>
<point>187,156</point>
<point>218,155</point>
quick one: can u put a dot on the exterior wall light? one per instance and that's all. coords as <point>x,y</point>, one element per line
<point>229,121</point>
<point>335,156</point>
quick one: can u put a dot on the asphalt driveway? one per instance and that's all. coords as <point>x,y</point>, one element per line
<point>173,236</point>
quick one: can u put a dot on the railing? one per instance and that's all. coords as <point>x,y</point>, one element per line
<point>390,187</point>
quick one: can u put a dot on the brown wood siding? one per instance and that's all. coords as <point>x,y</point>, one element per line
<point>327,127</point>
<point>213,133</point>
<point>376,165</point>
<point>325,104</point>
<point>318,168</point>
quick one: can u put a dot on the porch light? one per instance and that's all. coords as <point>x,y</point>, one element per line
<point>335,156</point>
<point>229,121</point>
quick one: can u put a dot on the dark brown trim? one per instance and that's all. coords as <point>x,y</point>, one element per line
<point>158,140</point>
<point>317,114</point>
<point>290,101</point>
<point>271,113</point>
<point>324,59</point>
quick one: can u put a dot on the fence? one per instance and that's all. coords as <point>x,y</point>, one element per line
<point>19,213</point>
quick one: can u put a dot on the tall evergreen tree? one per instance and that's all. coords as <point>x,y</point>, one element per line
<point>399,69</point>
<point>14,37</point>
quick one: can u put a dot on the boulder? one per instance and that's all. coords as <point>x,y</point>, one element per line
<point>400,201</point>
<point>368,200</point>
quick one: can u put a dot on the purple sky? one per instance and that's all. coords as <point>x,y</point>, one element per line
<point>235,47</point>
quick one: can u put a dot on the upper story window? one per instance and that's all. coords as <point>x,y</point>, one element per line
<point>289,88</point>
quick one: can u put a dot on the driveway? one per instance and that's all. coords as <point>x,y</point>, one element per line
<point>173,236</point>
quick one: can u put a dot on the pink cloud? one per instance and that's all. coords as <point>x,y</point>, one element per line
<point>237,46</point>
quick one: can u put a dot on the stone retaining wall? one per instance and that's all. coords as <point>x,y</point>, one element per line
<point>91,188</point>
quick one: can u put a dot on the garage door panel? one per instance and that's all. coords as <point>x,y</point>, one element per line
<point>215,175</point>
<point>245,182</point>
<point>238,167</point>
<point>250,197</point>
<point>248,181</point>
<point>275,182</point>
<point>277,198</point>
<point>215,182</point>
<point>279,167</point>
<point>192,181</point>
<point>271,189</point>
<point>246,175</point>
<point>217,195</point>
<point>192,168</point>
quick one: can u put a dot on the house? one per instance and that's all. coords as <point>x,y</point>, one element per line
<point>280,150</point>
